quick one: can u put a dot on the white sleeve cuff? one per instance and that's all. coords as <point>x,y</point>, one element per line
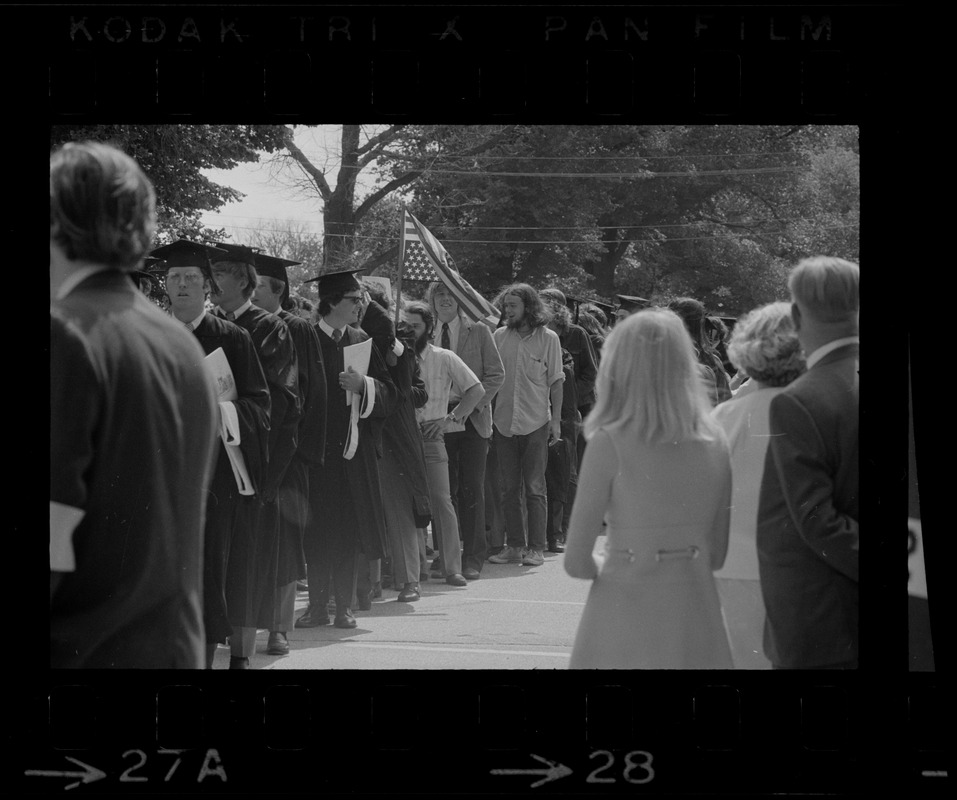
<point>63,521</point>
<point>368,399</point>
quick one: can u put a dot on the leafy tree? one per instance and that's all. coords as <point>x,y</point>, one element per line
<point>173,156</point>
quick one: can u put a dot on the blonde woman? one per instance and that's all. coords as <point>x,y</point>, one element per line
<point>764,347</point>
<point>657,470</point>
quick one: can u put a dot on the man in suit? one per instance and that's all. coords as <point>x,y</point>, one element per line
<point>807,534</point>
<point>467,442</point>
<point>132,430</point>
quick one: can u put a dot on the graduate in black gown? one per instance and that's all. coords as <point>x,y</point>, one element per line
<point>251,576</point>
<point>271,292</point>
<point>347,516</point>
<point>229,514</point>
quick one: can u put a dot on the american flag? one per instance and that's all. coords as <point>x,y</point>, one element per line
<point>425,259</point>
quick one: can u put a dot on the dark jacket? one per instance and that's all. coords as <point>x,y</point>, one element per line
<point>808,531</point>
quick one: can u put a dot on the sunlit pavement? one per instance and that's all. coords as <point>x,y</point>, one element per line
<point>513,617</point>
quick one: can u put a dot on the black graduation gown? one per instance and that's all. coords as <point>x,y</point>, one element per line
<point>362,470</point>
<point>401,436</point>
<point>293,497</point>
<point>229,515</point>
<point>251,580</point>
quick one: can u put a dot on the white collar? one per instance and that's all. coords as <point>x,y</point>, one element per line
<point>830,347</point>
<point>327,329</point>
<point>199,319</point>
<point>75,278</point>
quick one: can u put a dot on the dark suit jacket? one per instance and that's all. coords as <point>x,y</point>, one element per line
<point>133,426</point>
<point>807,535</point>
<point>477,349</point>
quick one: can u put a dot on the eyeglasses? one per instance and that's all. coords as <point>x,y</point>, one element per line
<point>354,298</point>
<point>191,278</point>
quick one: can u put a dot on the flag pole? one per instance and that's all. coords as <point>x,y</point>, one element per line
<point>398,281</point>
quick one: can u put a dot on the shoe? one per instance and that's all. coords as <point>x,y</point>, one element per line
<point>302,586</point>
<point>456,579</point>
<point>471,574</point>
<point>377,589</point>
<point>429,552</point>
<point>364,602</point>
<point>436,564</point>
<point>238,662</point>
<point>344,619</point>
<point>494,551</point>
<point>510,555</point>
<point>554,546</point>
<point>277,645</point>
<point>409,594</point>
<point>534,558</point>
<point>315,616</point>
<point>423,576</point>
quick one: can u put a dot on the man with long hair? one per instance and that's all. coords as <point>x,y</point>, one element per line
<point>467,442</point>
<point>132,431</point>
<point>527,419</point>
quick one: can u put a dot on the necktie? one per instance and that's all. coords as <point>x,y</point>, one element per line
<point>336,334</point>
<point>189,327</point>
<point>230,316</point>
<point>446,339</point>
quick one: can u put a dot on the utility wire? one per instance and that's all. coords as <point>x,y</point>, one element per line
<point>447,242</point>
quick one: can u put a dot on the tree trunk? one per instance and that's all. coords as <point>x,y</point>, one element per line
<point>339,220</point>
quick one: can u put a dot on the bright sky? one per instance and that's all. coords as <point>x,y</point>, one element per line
<point>272,198</point>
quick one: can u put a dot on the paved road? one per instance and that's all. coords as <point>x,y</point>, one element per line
<point>513,617</point>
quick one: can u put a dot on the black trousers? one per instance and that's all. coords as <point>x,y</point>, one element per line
<point>468,452</point>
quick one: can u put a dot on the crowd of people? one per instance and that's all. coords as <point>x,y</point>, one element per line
<point>211,461</point>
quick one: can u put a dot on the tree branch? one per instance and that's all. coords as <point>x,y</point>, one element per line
<point>388,135</point>
<point>376,196</point>
<point>308,167</point>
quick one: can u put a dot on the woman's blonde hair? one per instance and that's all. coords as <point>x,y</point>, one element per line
<point>648,379</point>
<point>765,345</point>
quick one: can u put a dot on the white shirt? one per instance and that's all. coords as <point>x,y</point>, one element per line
<point>239,311</point>
<point>195,323</point>
<point>455,326</point>
<point>327,329</point>
<point>830,347</point>
<point>441,371</point>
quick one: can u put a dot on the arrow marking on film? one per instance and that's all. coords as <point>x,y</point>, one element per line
<point>88,775</point>
<point>554,771</point>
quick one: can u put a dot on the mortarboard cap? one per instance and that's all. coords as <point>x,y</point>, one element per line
<point>342,280</point>
<point>235,252</point>
<point>631,303</point>
<point>275,267</point>
<point>184,253</point>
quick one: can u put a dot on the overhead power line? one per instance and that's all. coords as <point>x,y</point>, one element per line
<point>619,175</point>
<point>583,241</point>
<point>438,226</point>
